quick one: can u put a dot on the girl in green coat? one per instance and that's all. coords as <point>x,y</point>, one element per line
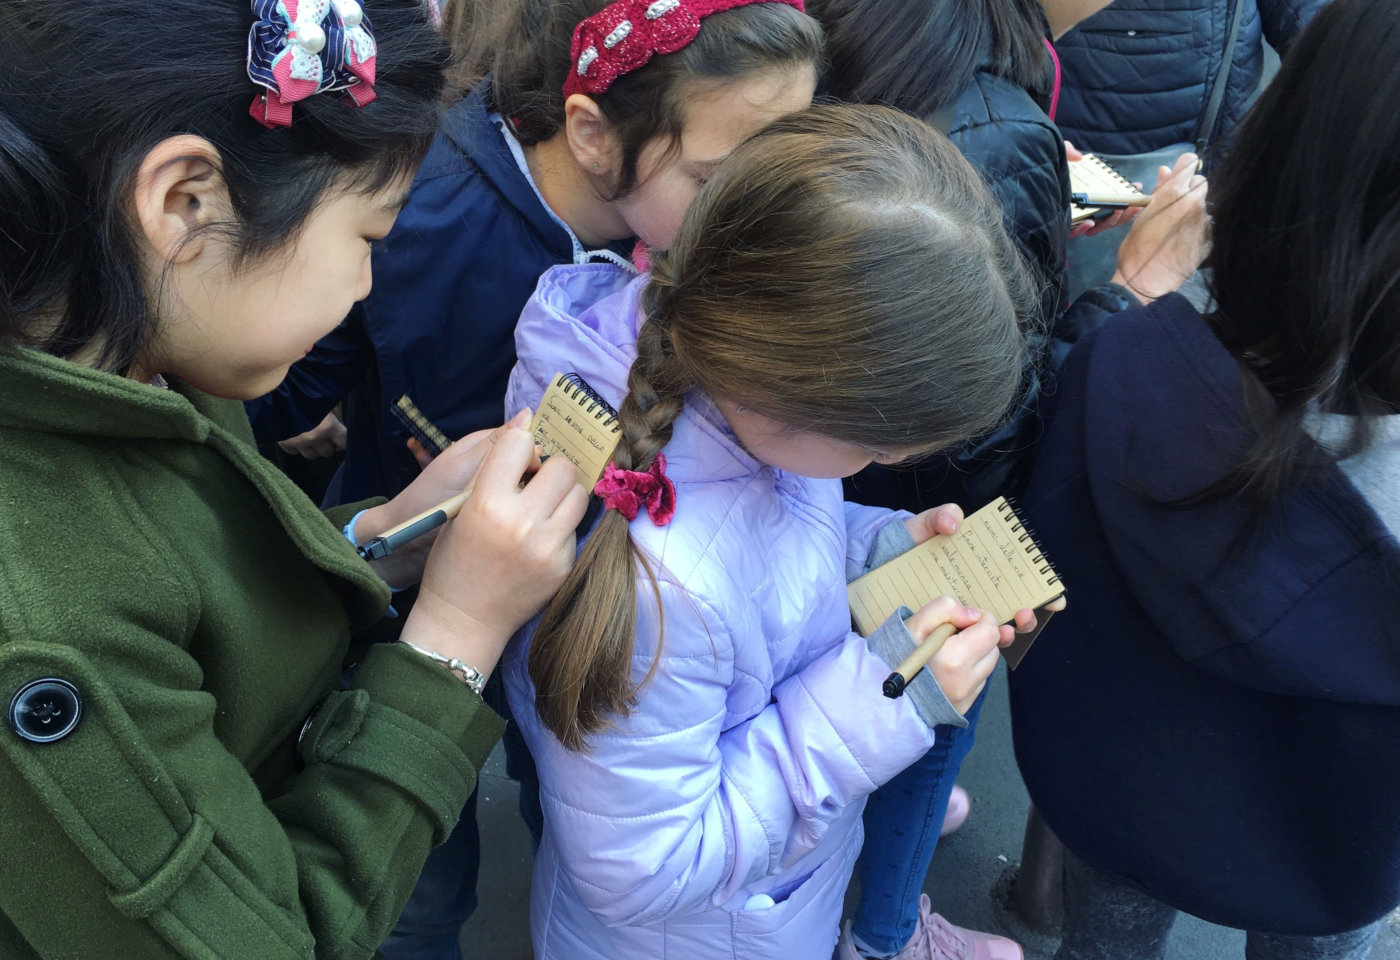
<point>182,771</point>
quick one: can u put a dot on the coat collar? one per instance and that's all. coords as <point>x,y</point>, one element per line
<point>43,393</point>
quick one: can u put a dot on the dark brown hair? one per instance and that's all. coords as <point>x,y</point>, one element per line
<point>1305,259</point>
<point>524,46</point>
<point>919,55</point>
<point>845,273</point>
<point>71,271</point>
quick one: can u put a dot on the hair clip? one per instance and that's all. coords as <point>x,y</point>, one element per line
<point>626,34</point>
<point>298,48</point>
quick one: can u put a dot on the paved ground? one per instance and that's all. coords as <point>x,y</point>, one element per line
<point>969,868</point>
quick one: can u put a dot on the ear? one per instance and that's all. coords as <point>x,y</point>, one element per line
<point>178,189</point>
<point>590,137</point>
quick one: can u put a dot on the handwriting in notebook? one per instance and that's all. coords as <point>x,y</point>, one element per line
<point>574,422</point>
<point>991,563</point>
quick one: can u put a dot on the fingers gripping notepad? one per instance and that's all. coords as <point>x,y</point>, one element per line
<point>992,563</point>
<point>1096,187</point>
<point>575,423</point>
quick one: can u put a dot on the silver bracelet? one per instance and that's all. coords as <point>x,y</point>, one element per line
<point>471,676</point>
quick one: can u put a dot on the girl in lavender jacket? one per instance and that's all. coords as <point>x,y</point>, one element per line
<point>706,725</point>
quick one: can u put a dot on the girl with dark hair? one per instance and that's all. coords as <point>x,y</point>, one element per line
<point>543,164</point>
<point>525,175</point>
<point>706,725</point>
<point>1215,728</point>
<point>982,71</point>
<point>176,227</point>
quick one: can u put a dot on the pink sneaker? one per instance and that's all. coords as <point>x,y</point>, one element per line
<point>937,939</point>
<point>959,806</point>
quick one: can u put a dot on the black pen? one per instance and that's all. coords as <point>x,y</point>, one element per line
<point>413,528</point>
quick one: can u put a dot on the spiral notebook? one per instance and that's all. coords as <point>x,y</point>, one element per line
<point>419,426</point>
<point>573,422</point>
<point>1096,179</point>
<point>992,563</point>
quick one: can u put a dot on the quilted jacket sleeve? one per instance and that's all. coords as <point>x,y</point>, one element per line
<point>725,804</point>
<point>1283,19</point>
<point>1023,164</point>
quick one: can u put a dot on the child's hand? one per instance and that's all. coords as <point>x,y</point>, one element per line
<point>502,558</point>
<point>1168,242</point>
<point>965,661</point>
<point>326,439</point>
<point>938,521</point>
<point>443,477</point>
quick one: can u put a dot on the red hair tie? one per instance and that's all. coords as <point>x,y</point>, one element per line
<point>627,491</point>
<point>626,34</point>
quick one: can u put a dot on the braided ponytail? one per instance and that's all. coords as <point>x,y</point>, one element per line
<point>845,273</point>
<point>581,653</point>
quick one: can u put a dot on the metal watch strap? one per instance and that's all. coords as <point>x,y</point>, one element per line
<point>471,676</point>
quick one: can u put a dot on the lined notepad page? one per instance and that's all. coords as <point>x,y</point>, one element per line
<point>991,563</point>
<point>1100,181</point>
<point>574,422</point>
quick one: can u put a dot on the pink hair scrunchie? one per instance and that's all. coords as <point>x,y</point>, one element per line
<point>628,491</point>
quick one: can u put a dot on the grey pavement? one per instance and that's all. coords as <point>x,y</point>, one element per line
<point>966,883</point>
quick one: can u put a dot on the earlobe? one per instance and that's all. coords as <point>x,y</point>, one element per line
<point>178,188</point>
<point>590,137</point>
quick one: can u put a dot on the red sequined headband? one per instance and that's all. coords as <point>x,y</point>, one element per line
<point>626,34</point>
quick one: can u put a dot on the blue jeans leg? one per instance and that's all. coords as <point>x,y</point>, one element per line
<point>431,922</point>
<point>902,820</point>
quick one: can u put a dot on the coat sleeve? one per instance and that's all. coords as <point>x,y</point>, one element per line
<point>145,817</point>
<point>316,383</point>
<point>678,807</point>
<point>1283,19</point>
<point>1023,164</point>
<point>874,535</point>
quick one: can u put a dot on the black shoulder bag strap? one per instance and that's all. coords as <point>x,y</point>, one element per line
<point>1222,79</point>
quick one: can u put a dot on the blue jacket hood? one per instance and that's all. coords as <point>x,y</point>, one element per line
<point>1256,608</point>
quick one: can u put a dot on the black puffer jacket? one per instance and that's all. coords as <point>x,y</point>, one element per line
<point>1006,135</point>
<point>1138,74</point>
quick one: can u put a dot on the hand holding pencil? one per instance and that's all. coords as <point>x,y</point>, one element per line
<point>957,645</point>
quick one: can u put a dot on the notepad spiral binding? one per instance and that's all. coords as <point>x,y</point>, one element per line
<point>578,390</point>
<point>422,429</point>
<point>1027,538</point>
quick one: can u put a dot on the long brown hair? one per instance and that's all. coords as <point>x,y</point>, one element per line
<point>845,273</point>
<point>524,46</point>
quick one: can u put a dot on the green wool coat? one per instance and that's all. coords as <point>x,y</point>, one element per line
<point>203,609</point>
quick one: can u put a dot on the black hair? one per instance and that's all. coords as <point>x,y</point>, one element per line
<point>114,82</point>
<point>919,55</point>
<point>524,46</point>
<point>1306,250</point>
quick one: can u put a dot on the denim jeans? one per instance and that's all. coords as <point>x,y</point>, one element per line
<point>1105,919</point>
<point>902,820</point>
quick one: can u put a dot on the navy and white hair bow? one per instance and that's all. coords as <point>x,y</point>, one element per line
<point>298,48</point>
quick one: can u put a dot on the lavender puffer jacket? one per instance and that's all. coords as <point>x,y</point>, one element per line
<point>744,768</point>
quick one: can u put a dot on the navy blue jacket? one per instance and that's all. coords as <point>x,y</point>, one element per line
<point>1215,722</point>
<point>1004,132</point>
<point>449,283</point>
<point>1138,74</point>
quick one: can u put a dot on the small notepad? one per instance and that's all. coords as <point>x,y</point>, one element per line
<point>992,563</point>
<point>575,423</point>
<point>1100,181</point>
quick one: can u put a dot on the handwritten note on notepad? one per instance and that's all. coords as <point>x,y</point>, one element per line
<point>991,563</point>
<point>575,423</point>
